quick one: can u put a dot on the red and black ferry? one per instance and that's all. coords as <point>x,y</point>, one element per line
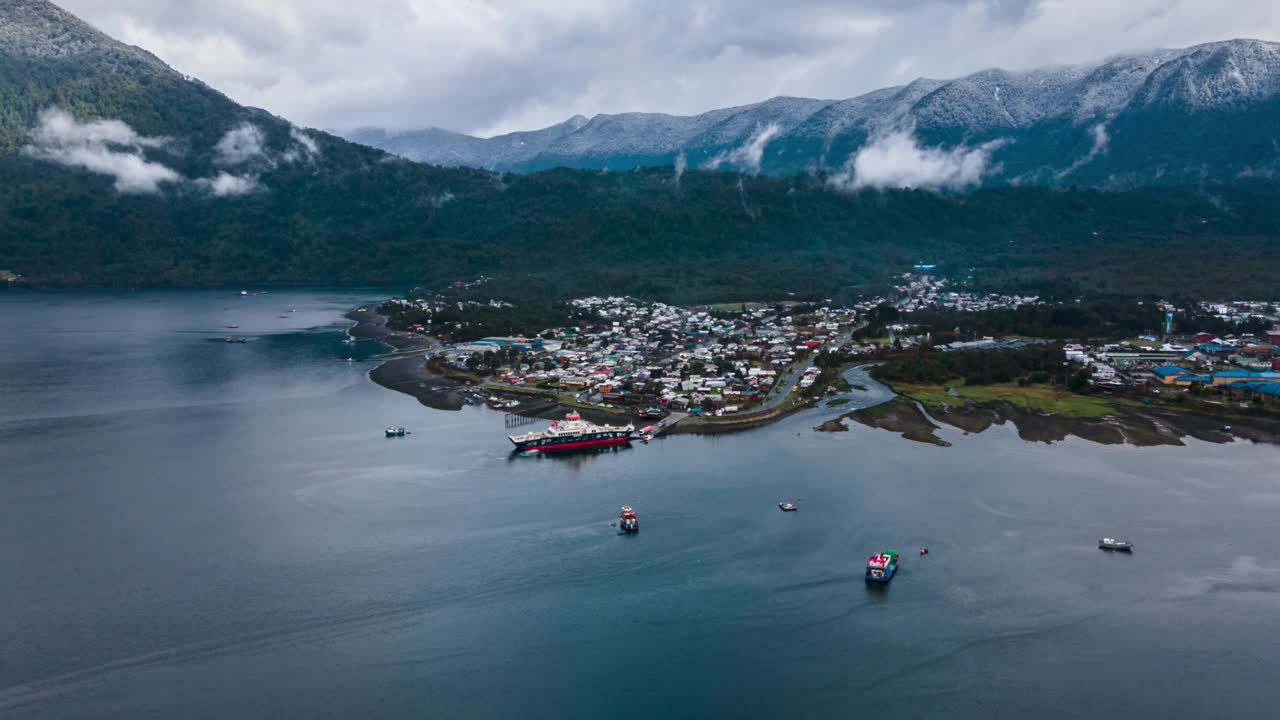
<point>573,433</point>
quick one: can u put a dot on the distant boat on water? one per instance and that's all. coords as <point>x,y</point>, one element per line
<point>881,567</point>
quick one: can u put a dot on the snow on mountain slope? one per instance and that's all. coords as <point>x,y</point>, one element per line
<point>1050,120</point>
<point>1217,75</point>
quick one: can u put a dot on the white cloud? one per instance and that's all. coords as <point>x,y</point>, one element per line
<point>439,200</point>
<point>487,66</point>
<point>305,141</point>
<point>106,147</point>
<point>111,147</point>
<point>225,184</point>
<point>240,144</point>
<point>896,160</point>
<point>748,156</point>
<point>1100,141</point>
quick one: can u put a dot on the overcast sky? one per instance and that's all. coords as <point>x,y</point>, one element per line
<point>491,66</point>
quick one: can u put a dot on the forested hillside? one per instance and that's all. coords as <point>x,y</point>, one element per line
<point>117,170</point>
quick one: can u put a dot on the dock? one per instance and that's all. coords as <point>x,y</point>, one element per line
<point>668,422</point>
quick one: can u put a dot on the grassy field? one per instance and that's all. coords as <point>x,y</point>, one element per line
<point>1041,398</point>
<point>1149,344</point>
<point>931,396</point>
<point>736,307</point>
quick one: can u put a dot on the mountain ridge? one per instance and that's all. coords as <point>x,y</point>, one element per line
<point>116,170</point>
<point>1046,118</point>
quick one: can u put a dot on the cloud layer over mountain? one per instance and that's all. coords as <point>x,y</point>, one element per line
<point>111,147</point>
<point>106,147</point>
<point>485,66</point>
<point>897,160</point>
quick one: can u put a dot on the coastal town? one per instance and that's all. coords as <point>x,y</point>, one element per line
<point>651,358</point>
<point>739,364</point>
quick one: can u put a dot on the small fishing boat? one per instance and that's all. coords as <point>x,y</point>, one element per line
<point>232,327</point>
<point>881,567</point>
<point>1114,544</point>
<point>395,432</point>
<point>235,341</point>
<point>787,507</point>
<point>627,522</point>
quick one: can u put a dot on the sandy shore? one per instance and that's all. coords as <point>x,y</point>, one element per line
<point>409,373</point>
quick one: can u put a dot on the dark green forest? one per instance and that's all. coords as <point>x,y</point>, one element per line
<point>567,232</point>
<point>354,215</point>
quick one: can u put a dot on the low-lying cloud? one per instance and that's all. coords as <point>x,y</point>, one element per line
<point>1100,142</point>
<point>304,146</point>
<point>748,156</point>
<point>897,160</point>
<point>111,147</point>
<point>106,147</point>
<point>240,144</point>
<point>225,184</point>
<point>681,164</point>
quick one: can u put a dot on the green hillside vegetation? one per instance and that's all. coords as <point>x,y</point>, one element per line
<point>354,215</point>
<point>356,221</point>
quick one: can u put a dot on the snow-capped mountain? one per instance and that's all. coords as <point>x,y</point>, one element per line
<point>1208,111</point>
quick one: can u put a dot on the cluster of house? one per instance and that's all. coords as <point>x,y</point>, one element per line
<point>634,353</point>
<point>916,290</point>
<point>1248,364</point>
<point>1241,310</point>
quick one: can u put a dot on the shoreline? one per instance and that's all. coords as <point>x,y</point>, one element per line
<point>407,374</point>
<point>1141,426</point>
<point>410,375</point>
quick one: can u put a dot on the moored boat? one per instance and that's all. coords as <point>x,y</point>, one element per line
<point>1114,544</point>
<point>627,522</point>
<point>881,567</point>
<point>573,433</point>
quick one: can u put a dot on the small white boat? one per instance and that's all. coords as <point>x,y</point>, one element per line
<point>788,507</point>
<point>395,432</point>
<point>1114,544</point>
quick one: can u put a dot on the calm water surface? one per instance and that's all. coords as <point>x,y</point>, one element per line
<point>194,529</point>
